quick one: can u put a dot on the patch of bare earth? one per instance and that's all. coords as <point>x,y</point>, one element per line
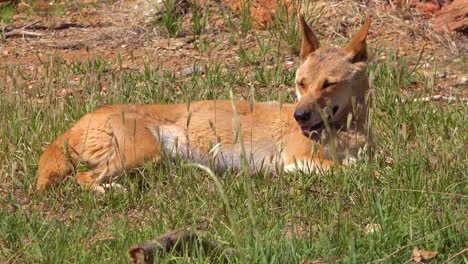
<point>102,30</point>
<point>107,30</point>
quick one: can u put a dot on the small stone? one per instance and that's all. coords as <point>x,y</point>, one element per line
<point>441,75</point>
<point>463,81</point>
<point>192,70</point>
<point>289,64</point>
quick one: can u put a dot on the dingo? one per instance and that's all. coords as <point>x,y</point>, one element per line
<point>331,84</point>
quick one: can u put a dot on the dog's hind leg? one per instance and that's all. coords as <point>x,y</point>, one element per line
<point>132,144</point>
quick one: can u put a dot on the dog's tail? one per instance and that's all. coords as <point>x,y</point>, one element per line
<point>53,165</point>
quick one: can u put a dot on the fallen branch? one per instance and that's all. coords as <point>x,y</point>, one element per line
<point>34,26</point>
<point>70,25</point>
<point>22,31</point>
<point>18,32</point>
<point>177,241</point>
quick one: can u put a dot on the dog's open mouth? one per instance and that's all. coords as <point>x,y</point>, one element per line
<point>307,129</point>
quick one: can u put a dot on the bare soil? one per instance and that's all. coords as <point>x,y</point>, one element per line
<point>123,29</point>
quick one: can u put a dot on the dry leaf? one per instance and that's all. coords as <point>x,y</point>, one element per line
<point>423,256</point>
<point>377,174</point>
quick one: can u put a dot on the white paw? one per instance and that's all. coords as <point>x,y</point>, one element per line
<point>98,190</point>
<point>114,186</point>
<point>301,166</point>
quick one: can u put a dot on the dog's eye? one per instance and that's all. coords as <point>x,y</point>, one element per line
<point>327,84</point>
<point>300,84</point>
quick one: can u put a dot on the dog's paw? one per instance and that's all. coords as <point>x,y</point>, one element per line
<point>301,166</point>
<point>114,186</point>
<point>98,190</point>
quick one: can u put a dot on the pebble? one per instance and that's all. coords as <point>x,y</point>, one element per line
<point>289,64</point>
<point>192,70</point>
<point>463,81</point>
<point>441,75</point>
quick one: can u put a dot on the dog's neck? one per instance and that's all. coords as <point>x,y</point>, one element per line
<point>357,108</point>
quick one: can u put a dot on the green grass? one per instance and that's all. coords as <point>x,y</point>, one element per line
<point>171,19</point>
<point>7,11</point>
<point>199,18</point>
<point>419,198</point>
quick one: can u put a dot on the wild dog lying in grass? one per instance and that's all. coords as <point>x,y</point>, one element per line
<point>331,84</point>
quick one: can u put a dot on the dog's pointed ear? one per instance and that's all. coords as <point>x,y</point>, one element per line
<point>356,49</point>
<point>309,41</point>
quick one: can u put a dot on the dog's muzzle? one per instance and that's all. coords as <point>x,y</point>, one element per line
<point>312,121</point>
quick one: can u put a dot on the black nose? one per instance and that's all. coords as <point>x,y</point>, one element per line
<point>301,116</point>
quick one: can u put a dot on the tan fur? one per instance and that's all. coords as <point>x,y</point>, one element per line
<point>115,138</point>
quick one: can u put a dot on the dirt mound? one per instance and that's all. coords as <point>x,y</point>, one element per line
<point>453,17</point>
<point>446,14</point>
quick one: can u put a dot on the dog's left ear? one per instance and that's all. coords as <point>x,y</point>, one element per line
<point>309,41</point>
<point>356,49</point>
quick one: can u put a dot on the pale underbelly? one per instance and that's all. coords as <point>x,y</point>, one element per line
<point>257,157</point>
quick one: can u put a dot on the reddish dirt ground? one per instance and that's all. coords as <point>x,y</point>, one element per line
<point>111,29</point>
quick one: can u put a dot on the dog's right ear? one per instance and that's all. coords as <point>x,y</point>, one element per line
<point>356,49</point>
<point>309,41</point>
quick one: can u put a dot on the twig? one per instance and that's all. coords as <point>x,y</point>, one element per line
<point>70,25</point>
<point>436,98</point>
<point>456,255</point>
<point>22,31</point>
<point>19,32</point>
<point>179,241</point>
<point>27,25</point>
<point>416,241</point>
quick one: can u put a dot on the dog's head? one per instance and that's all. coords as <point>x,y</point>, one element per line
<point>328,78</point>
